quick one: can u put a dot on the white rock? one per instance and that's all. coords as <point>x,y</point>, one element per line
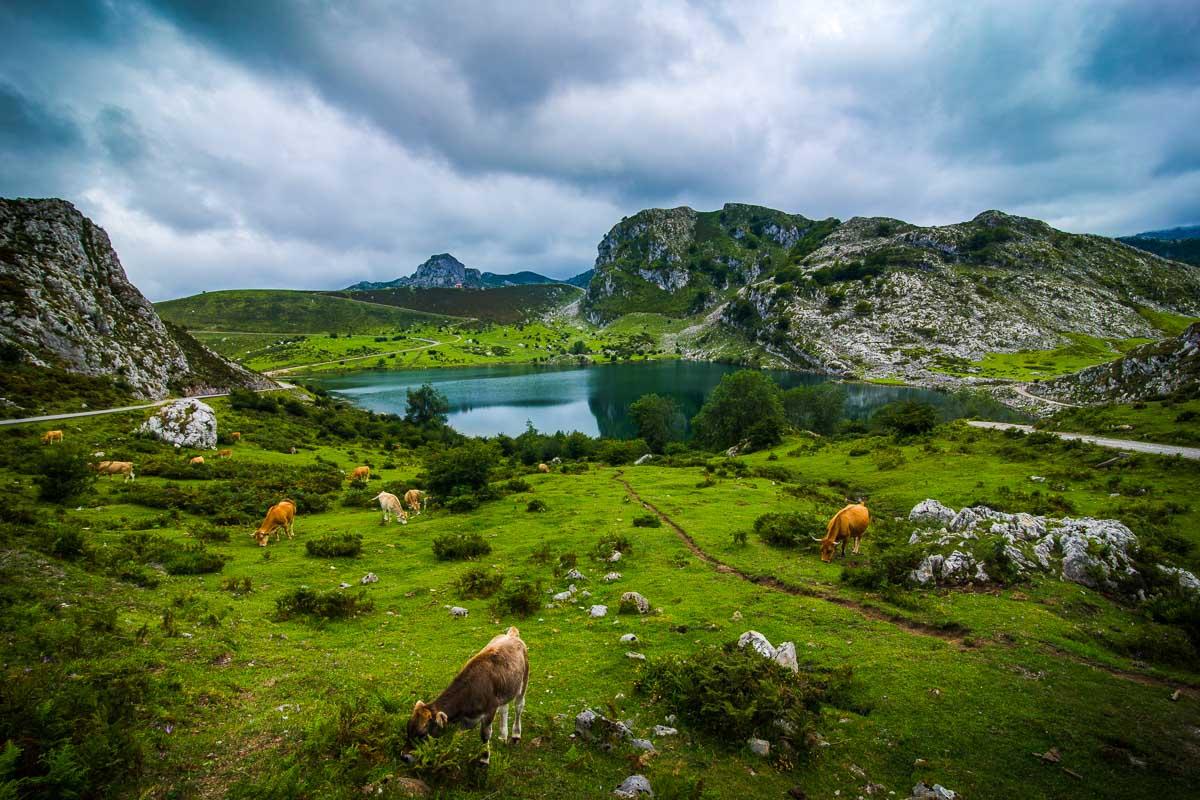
<point>642,744</point>
<point>759,642</point>
<point>785,655</point>
<point>343,586</point>
<point>184,423</point>
<point>612,576</point>
<point>637,600</point>
<point>370,577</point>
<point>932,512</point>
<point>634,786</point>
<point>629,637</point>
<point>574,575</point>
<point>562,596</point>
<point>615,557</point>
<point>597,611</point>
<point>635,656</point>
<point>643,460</point>
<point>760,747</point>
<point>458,611</point>
<point>1186,579</point>
<point>663,730</point>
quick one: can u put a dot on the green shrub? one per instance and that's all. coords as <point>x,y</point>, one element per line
<point>517,485</point>
<point>460,546</point>
<point>535,506</point>
<point>906,418</point>
<point>334,604</point>
<point>62,473</point>
<point>566,563</point>
<point>734,693</point>
<point>889,567</point>
<point>608,544</point>
<point>460,470</point>
<point>520,599</point>
<point>478,582</point>
<point>647,521</point>
<point>237,586</point>
<point>788,529</point>
<point>739,538</point>
<point>462,504</point>
<point>335,545</point>
<point>744,405</point>
<point>359,496</point>
<point>193,560</point>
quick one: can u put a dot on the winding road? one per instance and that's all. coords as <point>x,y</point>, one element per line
<point>1102,441</point>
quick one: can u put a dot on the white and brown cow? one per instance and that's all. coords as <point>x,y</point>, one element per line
<point>496,677</point>
<point>389,504</point>
<point>415,499</point>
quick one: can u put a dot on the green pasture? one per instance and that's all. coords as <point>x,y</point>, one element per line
<point>1080,352</point>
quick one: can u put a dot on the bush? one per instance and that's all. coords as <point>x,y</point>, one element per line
<point>658,419</point>
<point>334,604</point>
<point>734,693</point>
<point>535,506</point>
<point>193,560</point>
<point>237,586</point>
<point>521,599</point>
<point>607,545</point>
<point>889,567</point>
<point>63,473</point>
<point>460,470</point>
<point>906,418</point>
<point>647,521</point>
<point>744,405</point>
<point>462,504</point>
<point>460,546</point>
<point>335,545</point>
<point>358,496</point>
<point>478,582</point>
<point>616,452</point>
<point>517,485</point>
<point>788,529</point>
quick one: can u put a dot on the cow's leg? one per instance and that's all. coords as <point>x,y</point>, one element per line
<point>504,722</point>
<point>485,733</point>
<point>519,700</point>
<point>857,542</point>
<point>843,548</point>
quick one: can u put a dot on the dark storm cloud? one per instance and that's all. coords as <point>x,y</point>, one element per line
<point>311,143</point>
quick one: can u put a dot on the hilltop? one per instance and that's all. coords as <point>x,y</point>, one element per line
<point>1178,244</point>
<point>507,304</point>
<point>444,271</point>
<point>881,298</point>
<point>70,320</point>
<point>290,311</point>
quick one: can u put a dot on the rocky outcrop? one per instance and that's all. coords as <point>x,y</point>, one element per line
<point>1159,369</point>
<point>184,423</point>
<point>444,271</point>
<point>66,303</point>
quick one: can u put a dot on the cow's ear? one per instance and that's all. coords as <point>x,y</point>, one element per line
<point>442,719</point>
<point>419,705</point>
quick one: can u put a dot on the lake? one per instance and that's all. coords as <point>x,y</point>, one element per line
<point>485,401</point>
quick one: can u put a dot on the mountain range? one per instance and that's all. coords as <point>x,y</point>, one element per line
<point>444,271</point>
<point>1178,244</point>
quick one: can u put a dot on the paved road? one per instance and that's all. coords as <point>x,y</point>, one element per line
<point>51,417</point>
<point>1102,441</point>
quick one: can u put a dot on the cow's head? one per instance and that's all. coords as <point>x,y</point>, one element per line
<point>827,548</point>
<point>423,723</point>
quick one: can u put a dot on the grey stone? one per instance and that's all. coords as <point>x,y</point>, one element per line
<point>629,637</point>
<point>184,423</point>
<point>635,599</point>
<point>597,611</point>
<point>642,744</point>
<point>635,656</point>
<point>760,747</point>
<point>663,730</point>
<point>574,575</point>
<point>634,786</point>
<point>458,611</point>
<point>370,577</point>
<point>785,655</point>
<point>612,576</point>
<point>759,642</point>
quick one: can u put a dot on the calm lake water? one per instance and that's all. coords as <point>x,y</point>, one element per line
<point>485,401</point>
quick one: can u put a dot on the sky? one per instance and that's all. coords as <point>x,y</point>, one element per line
<point>305,144</point>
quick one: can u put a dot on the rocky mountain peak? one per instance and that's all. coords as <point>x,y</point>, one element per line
<point>65,302</point>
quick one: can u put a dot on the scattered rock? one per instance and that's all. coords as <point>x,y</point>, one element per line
<point>663,730</point>
<point>370,577</point>
<point>1037,479</point>
<point>736,616</point>
<point>343,585</point>
<point>785,654</point>
<point>184,423</point>
<point>597,611</point>
<point>642,744</point>
<point>635,656</point>
<point>759,642</point>
<point>612,576</point>
<point>635,601</point>
<point>922,791</point>
<point>458,611</point>
<point>615,557</point>
<point>932,512</point>
<point>634,786</point>
<point>760,747</point>
<point>629,637</point>
<point>574,575</point>
<point>563,596</point>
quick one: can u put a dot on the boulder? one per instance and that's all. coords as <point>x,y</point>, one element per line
<point>612,576</point>
<point>922,791</point>
<point>635,656</point>
<point>562,597</point>
<point>458,611</point>
<point>615,557</point>
<point>574,575</point>
<point>634,786</point>
<point>785,655</point>
<point>663,730</point>
<point>634,601</point>
<point>760,747</point>
<point>759,642</point>
<point>184,423</point>
<point>629,638</point>
<point>642,744</point>
<point>597,611</point>
<point>931,512</point>
<point>370,577</point>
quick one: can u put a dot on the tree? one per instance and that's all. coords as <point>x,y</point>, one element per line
<point>906,418</point>
<point>63,474</point>
<point>658,420</point>
<point>460,470</point>
<point>427,406</point>
<point>815,408</point>
<point>745,405</point>
<point>579,348</point>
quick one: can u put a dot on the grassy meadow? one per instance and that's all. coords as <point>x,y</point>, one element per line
<point>194,684</point>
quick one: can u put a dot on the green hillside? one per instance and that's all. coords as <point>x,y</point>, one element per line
<point>503,305</point>
<point>286,311</point>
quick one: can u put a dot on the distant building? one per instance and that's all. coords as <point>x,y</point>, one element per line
<point>458,285</point>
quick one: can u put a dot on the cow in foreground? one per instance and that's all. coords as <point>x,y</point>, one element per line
<point>111,468</point>
<point>497,676</point>
<point>849,523</point>
<point>415,499</point>
<point>280,515</point>
<point>50,437</point>
<point>389,504</point>
<point>360,474</point>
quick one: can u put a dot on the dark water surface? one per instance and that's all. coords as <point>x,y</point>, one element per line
<point>485,401</point>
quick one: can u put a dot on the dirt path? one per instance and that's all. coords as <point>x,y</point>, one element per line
<point>280,385</point>
<point>870,612</point>
<point>1020,388</point>
<point>1102,441</point>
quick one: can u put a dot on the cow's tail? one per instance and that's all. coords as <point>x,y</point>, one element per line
<point>376,497</point>
<point>512,631</point>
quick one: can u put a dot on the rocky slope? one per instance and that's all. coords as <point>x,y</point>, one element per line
<point>878,297</point>
<point>1160,369</point>
<point>444,271</point>
<point>66,303</point>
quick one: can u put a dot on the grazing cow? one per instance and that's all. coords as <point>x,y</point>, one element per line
<point>111,468</point>
<point>50,437</point>
<point>226,453</point>
<point>292,450</point>
<point>496,677</point>
<point>236,436</point>
<point>415,499</point>
<point>360,474</point>
<point>390,505</point>
<point>543,468</point>
<point>849,523</point>
<point>280,515</point>
<point>197,460</point>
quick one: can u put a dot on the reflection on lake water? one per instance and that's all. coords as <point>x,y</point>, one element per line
<point>485,401</point>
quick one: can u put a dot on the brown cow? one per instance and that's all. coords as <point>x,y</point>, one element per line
<point>360,474</point>
<point>50,437</point>
<point>197,460</point>
<point>390,505</point>
<point>280,515</point>
<point>849,523</point>
<point>415,499</point>
<point>497,676</point>
<point>543,468</point>
<point>111,468</point>
<point>226,453</point>
<point>236,436</point>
